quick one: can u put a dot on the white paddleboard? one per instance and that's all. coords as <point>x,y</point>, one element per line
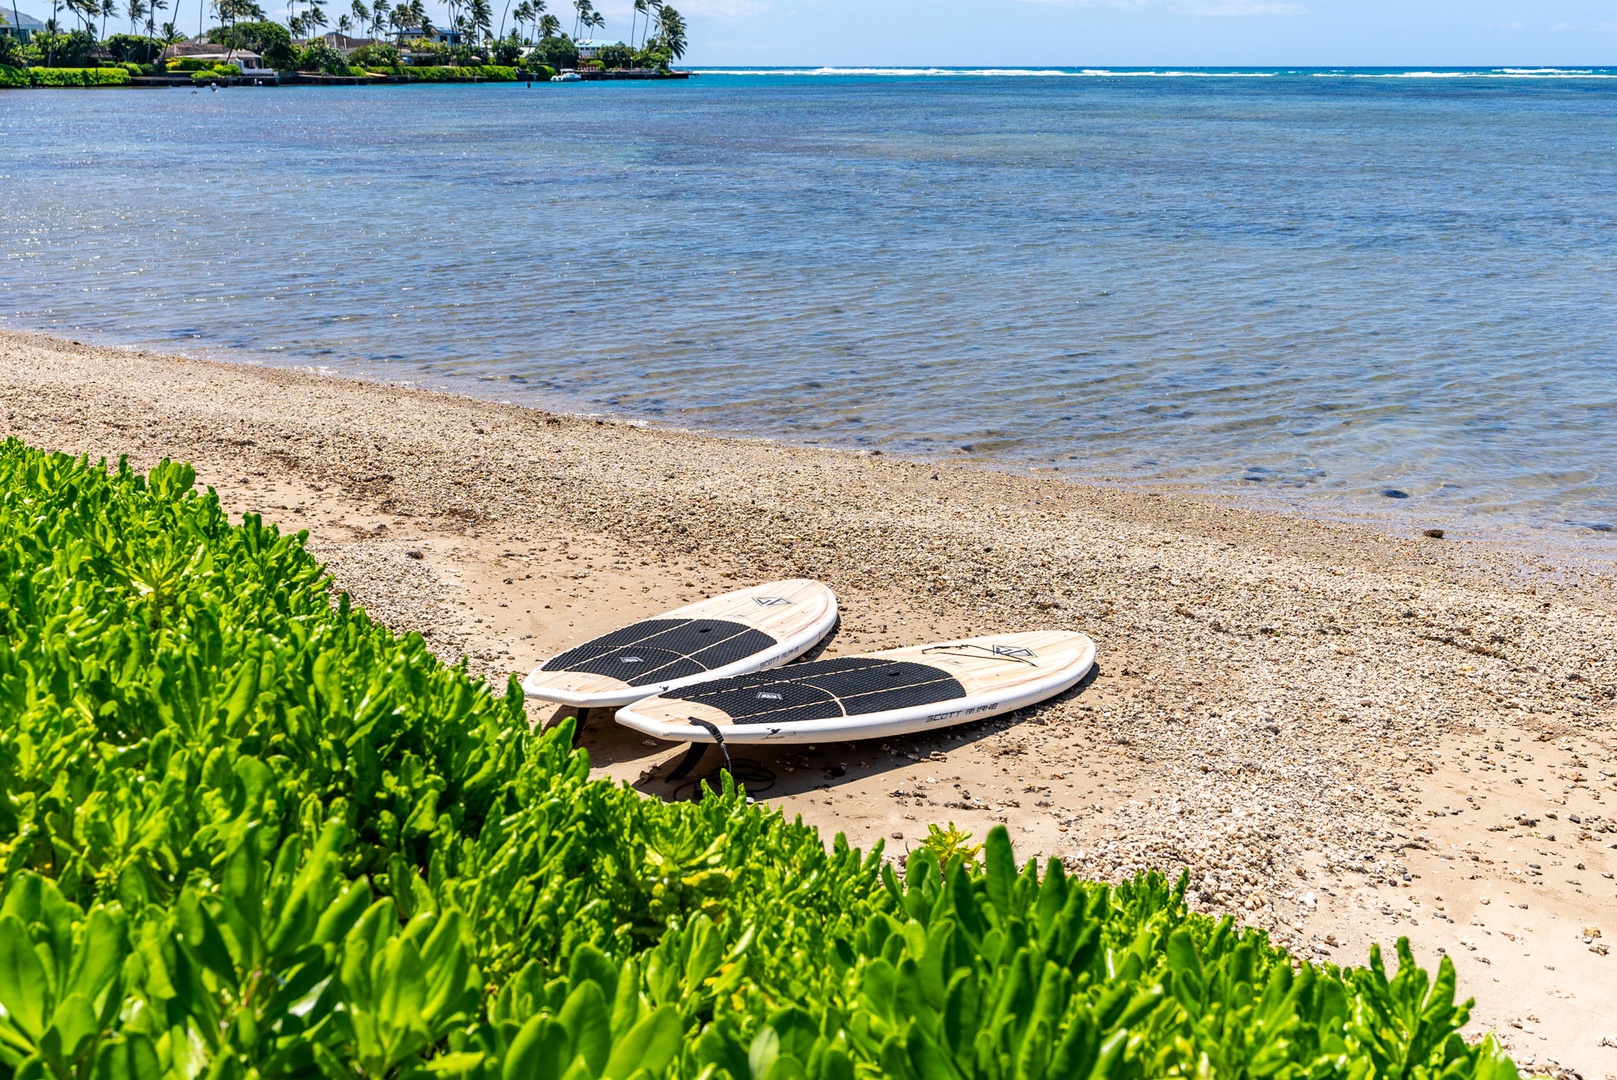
<point>872,695</point>
<point>743,631</point>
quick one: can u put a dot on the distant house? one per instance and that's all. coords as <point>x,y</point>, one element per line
<point>345,44</point>
<point>412,33</point>
<point>211,52</point>
<point>18,24</point>
<point>591,50</point>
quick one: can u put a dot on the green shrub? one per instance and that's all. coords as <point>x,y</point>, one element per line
<point>322,58</point>
<point>270,40</point>
<point>543,72</point>
<point>187,63</point>
<point>246,831</point>
<point>375,55</point>
<point>69,50</point>
<point>133,47</point>
<point>557,52</point>
<point>507,50</point>
<point>13,77</point>
<point>617,56</point>
<point>40,76</point>
<point>475,73</point>
<point>425,53</point>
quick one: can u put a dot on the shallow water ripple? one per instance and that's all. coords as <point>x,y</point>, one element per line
<point>1312,289</point>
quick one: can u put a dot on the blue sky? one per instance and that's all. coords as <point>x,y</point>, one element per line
<point>1142,32</point>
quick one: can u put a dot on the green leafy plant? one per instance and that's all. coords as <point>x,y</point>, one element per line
<point>949,845</point>
<point>246,831</point>
<point>42,76</point>
<point>322,58</point>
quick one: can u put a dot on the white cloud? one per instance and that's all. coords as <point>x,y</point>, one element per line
<point>1564,26</point>
<point>1606,27</point>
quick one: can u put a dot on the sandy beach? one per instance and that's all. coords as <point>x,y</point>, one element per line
<point>1344,736</point>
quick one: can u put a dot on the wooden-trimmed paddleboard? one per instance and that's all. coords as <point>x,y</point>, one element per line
<point>744,631</point>
<point>872,695</point>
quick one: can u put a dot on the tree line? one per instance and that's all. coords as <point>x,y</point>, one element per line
<point>657,33</point>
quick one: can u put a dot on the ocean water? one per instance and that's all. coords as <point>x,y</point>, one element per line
<point>1386,294</point>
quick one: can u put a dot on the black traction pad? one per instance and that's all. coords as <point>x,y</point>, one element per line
<point>825,689</point>
<point>661,650</point>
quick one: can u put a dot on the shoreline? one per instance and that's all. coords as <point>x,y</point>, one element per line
<point>1511,539</point>
<point>1343,736</point>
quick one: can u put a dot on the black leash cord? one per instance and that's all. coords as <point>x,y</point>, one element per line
<point>750,774</point>
<point>713,730</point>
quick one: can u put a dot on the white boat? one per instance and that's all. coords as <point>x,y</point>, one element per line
<point>567,76</point>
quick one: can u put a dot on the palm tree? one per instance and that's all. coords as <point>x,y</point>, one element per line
<point>640,8</point>
<point>416,15</point>
<point>136,10</point>
<point>152,9</point>
<point>380,10</point>
<point>315,18</point>
<point>654,8</point>
<point>671,31</point>
<point>86,10</point>
<point>109,9</point>
<point>585,11</point>
<point>517,15</point>
<point>480,16</point>
<point>548,27</point>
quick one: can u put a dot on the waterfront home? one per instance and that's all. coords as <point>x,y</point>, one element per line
<point>411,33</point>
<point>591,50</point>
<point>211,52</point>
<point>345,44</point>
<point>18,24</point>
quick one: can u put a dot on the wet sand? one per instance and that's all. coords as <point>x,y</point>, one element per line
<point>1343,736</point>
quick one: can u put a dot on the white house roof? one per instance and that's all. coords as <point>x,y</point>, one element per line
<point>589,43</point>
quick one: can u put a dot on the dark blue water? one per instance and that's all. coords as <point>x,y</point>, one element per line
<point>1323,290</point>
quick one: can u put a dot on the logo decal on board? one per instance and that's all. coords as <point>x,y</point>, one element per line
<point>1014,650</point>
<point>765,695</point>
<point>772,601</point>
<point>630,660</point>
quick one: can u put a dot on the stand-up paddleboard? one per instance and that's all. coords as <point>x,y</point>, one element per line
<point>744,631</point>
<point>872,695</point>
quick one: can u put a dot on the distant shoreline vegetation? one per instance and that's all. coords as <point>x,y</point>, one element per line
<point>476,42</point>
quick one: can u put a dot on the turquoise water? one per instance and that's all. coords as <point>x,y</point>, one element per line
<point>1381,293</point>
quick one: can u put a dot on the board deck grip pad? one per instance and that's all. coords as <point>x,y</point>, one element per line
<point>660,650</point>
<point>825,689</point>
